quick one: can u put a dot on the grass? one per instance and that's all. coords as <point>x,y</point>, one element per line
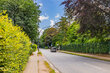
<point>48,66</point>
<point>39,53</point>
<point>38,65</point>
<point>85,56</point>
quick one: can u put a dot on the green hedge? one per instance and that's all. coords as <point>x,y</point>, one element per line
<point>14,46</point>
<point>94,48</point>
<point>33,48</point>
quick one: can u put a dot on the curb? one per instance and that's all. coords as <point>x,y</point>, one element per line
<point>51,65</point>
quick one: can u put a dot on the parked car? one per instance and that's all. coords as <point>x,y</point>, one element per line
<point>53,49</point>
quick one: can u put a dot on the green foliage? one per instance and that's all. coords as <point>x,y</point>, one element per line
<point>63,25</point>
<point>71,40</point>
<point>46,47</point>
<point>61,36</point>
<point>14,46</point>
<point>33,48</point>
<point>83,42</point>
<point>49,67</point>
<point>93,15</point>
<point>42,44</point>
<point>72,34</point>
<point>93,48</point>
<point>24,13</point>
<point>57,39</point>
<point>39,53</point>
<point>48,35</point>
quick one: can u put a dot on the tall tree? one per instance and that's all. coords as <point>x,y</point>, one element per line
<point>24,13</point>
<point>48,35</point>
<point>62,28</point>
<point>93,15</point>
<point>62,24</point>
<point>72,34</point>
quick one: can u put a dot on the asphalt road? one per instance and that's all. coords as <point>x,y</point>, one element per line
<point>67,63</point>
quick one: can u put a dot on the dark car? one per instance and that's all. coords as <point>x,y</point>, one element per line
<point>53,49</point>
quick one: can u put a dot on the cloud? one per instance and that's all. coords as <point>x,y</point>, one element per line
<point>57,16</point>
<point>41,31</point>
<point>41,5</point>
<point>52,23</point>
<point>43,17</point>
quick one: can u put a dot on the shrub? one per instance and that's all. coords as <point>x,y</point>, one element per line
<point>33,48</point>
<point>39,53</point>
<point>94,48</point>
<point>14,46</point>
<point>46,47</point>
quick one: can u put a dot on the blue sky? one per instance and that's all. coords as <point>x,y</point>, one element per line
<point>51,12</point>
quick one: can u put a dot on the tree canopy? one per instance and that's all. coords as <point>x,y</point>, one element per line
<point>93,15</point>
<point>24,13</point>
<point>48,35</point>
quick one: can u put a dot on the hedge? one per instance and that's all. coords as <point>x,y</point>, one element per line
<point>93,48</point>
<point>33,48</point>
<point>14,46</point>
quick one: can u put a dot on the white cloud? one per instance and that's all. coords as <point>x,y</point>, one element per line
<point>52,23</point>
<point>43,17</point>
<point>45,14</point>
<point>57,16</point>
<point>41,5</point>
<point>41,31</point>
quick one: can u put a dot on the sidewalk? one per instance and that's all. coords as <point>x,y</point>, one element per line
<point>94,56</point>
<point>37,64</point>
<point>41,66</point>
<point>44,66</point>
<point>32,66</point>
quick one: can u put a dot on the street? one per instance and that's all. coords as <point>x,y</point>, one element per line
<point>67,63</point>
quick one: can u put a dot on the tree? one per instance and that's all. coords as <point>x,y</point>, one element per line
<point>48,35</point>
<point>93,15</point>
<point>24,13</point>
<point>58,39</point>
<point>72,34</point>
<point>62,24</point>
<point>62,27</point>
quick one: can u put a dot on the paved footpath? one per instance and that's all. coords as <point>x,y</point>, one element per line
<point>32,66</point>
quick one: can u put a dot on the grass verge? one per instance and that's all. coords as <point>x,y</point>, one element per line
<point>84,55</point>
<point>39,53</point>
<point>38,65</point>
<point>48,66</point>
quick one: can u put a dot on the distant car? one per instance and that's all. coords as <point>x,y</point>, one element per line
<point>53,49</point>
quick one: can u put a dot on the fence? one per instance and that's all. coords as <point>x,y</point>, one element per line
<point>93,48</point>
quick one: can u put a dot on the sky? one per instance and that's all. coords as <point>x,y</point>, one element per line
<point>51,11</point>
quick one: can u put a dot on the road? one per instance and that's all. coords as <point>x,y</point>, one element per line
<point>67,63</point>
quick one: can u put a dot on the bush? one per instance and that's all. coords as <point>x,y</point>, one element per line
<point>93,48</point>
<point>39,53</point>
<point>33,48</point>
<point>14,46</point>
<point>46,47</point>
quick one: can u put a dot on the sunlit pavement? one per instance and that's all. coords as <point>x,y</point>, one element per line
<point>32,66</point>
<point>67,63</point>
